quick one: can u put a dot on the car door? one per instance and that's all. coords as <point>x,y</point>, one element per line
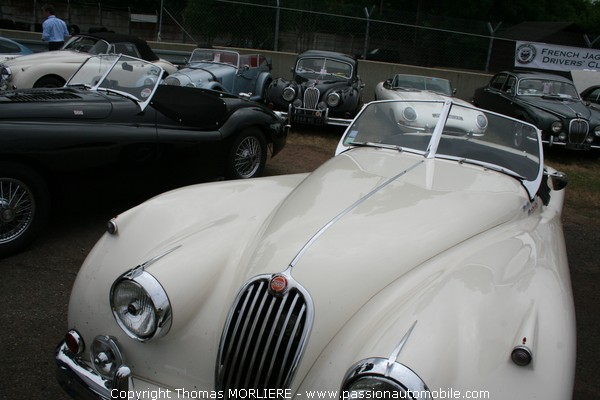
<point>246,75</point>
<point>498,95</point>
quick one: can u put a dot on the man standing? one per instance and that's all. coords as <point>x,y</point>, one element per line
<point>54,29</point>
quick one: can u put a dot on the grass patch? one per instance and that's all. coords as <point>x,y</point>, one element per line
<point>583,172</point>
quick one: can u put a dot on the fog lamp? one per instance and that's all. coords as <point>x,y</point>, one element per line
<point>106,356</point>
<point>562,137</point>
<point>297,103</point>
<point>597,130</point>
<point>556,126</point>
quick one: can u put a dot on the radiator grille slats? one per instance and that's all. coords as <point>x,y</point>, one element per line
<point>578,130</point>
<point>311,97</point>
<point>264,338</point>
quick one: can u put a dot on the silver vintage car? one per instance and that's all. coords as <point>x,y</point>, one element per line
<point>225,71</point>
<point>414,264</point>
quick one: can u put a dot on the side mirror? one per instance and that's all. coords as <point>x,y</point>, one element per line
<point>387,84</point>
<point>558,179</point>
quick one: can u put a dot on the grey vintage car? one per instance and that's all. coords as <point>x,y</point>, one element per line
<point>225,71</point>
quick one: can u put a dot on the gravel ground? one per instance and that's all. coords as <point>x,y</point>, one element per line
<point>35,284</point>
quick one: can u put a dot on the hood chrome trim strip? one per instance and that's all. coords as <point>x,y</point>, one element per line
<point>335,219</point>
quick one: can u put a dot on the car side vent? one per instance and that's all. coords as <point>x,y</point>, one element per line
<point>42,95</point>
<point>311,98</point>
<point>264,337</point>
<point>578,130</point>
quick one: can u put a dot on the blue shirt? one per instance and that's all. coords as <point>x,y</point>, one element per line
<point>54,29</point>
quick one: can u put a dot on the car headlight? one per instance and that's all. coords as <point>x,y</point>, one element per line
<point>556,126</point>
<point>289,93</point>
<point>5,73</point>
<point>375,378</point>
<point>597,130</point>
<point>140,305</point>
<point>481,122</point>
<point>171,80</point>
<point>409,114</point>
<point>333,99</point>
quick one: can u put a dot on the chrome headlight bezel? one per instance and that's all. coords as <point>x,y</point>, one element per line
<point>333,99</point>
<point>381,372</point>
<point>289,94</point>
<point>148,297</point>
<point>5,73</point>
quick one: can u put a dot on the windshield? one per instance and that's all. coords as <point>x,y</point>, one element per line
<point>130,76</point>
<point>323,68</point>
<point>451,131</point>
<point>547,87</point>
<point>86,44</point>
<point>422,83</point>
<point>216,56</point>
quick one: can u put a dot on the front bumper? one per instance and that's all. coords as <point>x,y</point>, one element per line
<point>82,382</point>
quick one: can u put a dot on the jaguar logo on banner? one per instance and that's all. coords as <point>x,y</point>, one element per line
<point>555,58</point>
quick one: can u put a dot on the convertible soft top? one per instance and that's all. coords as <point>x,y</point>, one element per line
<point>146,52</point>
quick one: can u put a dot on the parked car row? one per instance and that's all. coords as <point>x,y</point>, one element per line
<point>421,257</point>
<point>114,118</point>
<point>427,255</point>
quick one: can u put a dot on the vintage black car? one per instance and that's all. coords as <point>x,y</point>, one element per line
<point>548,101</point>
<point>112,117</point>
<point>325,89</point>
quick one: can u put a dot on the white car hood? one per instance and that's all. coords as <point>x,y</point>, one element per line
<point>58,56</point>
<point>425,211</point>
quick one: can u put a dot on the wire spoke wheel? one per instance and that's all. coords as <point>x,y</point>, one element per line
<point>17,209</point>
<point>248,157</point>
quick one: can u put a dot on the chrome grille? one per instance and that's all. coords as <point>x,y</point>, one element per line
<point>264,337</point>
<point>578,130</point>
<point>311,98</point>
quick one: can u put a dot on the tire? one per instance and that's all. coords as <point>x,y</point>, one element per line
<point>24,206</point>
<point>49,82</point>
<point>248,155</point>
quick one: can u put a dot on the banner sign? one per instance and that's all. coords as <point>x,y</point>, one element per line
<point>555,57</point>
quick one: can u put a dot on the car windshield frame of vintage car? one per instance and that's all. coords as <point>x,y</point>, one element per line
<point>505,144</point>
<point>117,73</point>
<point>212,56</point>
<point>323,73</point>
<point>420,82</point>
<point>95,45</point>
<point>547,88</point>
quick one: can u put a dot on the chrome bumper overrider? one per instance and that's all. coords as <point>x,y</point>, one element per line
<point>82,382</point>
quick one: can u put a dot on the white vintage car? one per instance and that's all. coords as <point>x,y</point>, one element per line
<point>54,68</point>
<point>411,264</point>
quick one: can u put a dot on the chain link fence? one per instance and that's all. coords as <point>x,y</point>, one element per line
<point>372,34</point>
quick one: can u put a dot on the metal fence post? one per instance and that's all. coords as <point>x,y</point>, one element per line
<point>368,14</point>
<point>489,55</point>
<point>276,40</point>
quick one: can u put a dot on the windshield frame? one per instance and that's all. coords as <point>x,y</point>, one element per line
<point>502,136</point>
<point>322,74</point>
<point>96,72</point>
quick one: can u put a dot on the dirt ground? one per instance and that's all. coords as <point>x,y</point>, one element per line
<point>35,284</point>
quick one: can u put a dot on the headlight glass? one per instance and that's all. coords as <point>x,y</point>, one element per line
<point>140,305</point>
<point>374,388</point>
<point>289,93</point>
<point>597,130</point>
<point>481,122</point>
<point>106,356</point>
<point>5,73</point>
<point>557,126</point>
<point>410,114</point>
<point>170,80</point>
<point>333,99</point>
<point>376,378</point>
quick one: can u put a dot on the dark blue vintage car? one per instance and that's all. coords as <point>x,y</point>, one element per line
<point>548,101</point>
<point>225,71</point>
<point>113,119</point>
<point>325,89</point>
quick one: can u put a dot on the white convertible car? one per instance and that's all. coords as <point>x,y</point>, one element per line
<point>419,264</point>
<point>417,87</point>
